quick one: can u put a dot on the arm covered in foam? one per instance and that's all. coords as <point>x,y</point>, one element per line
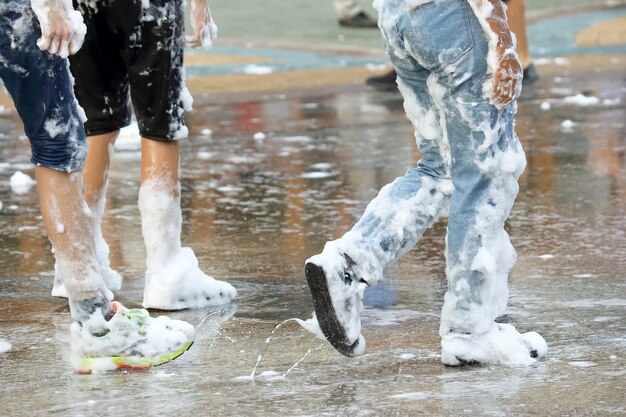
<point>62,28</point>
<point>503,60</point>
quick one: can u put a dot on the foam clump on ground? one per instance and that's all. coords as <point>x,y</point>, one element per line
<point>21,183</point>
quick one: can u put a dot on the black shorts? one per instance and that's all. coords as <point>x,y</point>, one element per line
<point>132,52</point>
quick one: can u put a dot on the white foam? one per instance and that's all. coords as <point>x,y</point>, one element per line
<point>582,100</point>
<point>5,346</point>
<point>501,344</point>
<point>317,175</point>
<point>406,356</point>
<point>376,67</point>
<point>205,155</point>
<point>296,139</point>
<point>55,127</point>
<point>320,170</point>
<point>582,364</point>
<point>21,183</point>
<point>411,396</point>
<point>561,61</point>
<point>254,69</point>
<point>142,335</point>
<point>72,18</point>
<point>312,326</point>
<point>611,101</point>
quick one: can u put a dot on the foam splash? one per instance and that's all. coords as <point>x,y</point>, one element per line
<point>311,325</point>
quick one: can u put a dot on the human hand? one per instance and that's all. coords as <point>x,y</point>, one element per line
<point>204,27</point>
<point>507,77</point>
<point>62,27</point>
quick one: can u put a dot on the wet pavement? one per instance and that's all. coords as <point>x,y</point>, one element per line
<point>267,178</point>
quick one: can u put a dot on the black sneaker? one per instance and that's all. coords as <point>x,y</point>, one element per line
<point>387,81</point>
<point>338,300</point>
<point>530,75</point>
<point>359,20</point>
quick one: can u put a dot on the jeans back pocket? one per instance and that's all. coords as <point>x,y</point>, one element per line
<point>441,31</point>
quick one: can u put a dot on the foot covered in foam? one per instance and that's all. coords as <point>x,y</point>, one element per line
<point>129,339</point>
<point>180,284</point>
<point>502,345</point>
<point>338,300</point>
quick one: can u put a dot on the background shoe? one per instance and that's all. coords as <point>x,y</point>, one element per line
<point>338,300</point>
<point>359,20</point>
<point>386,81</point>
<point>132,339</point>
<point>530,75</point>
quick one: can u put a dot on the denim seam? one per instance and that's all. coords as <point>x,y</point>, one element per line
<point>431,4</point>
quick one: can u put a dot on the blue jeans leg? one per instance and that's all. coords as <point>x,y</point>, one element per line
<point>472,159</point>
<point>41,87</point>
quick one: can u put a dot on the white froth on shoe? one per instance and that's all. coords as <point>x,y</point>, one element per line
<point>133,339</point>
<point>501,345</point>
<point>347,298</point>
<point>180,284</point>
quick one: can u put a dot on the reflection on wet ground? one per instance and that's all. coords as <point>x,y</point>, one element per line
<point>265,183</point>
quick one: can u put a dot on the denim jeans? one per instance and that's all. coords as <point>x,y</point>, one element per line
<point>41,87</point>
<point>469,169</point>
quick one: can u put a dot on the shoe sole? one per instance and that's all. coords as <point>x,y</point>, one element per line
<point>87,365</point>
<point>325,312</point>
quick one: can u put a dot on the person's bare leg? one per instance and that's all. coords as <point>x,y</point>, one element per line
<point>516,16</point>
<point>174,280</point>
<point>160,185</point>
<point>96,171</point>
<point>95,178</point>
<point>159,160</point>
<point>68,222</point>
<point>96,174</point>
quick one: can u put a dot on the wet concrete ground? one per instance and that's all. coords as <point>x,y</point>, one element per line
<point>255,209</point>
